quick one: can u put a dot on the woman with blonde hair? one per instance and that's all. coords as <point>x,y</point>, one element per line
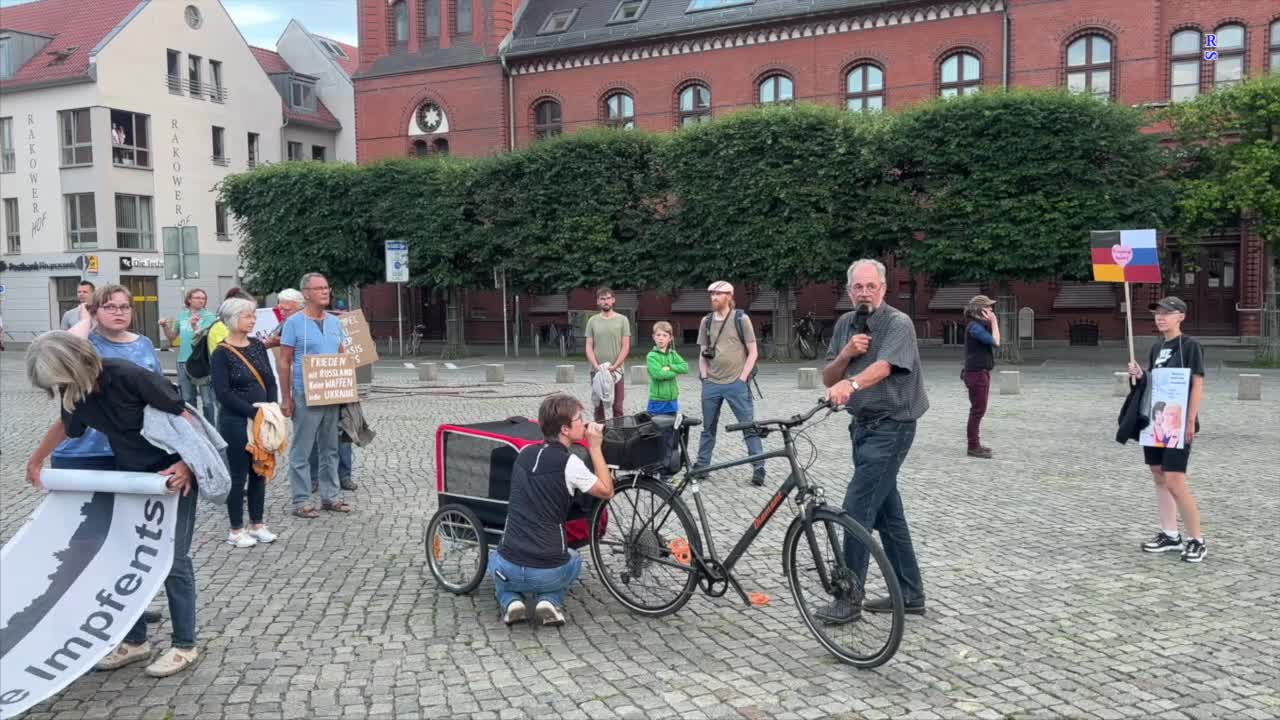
<point>110,395</point>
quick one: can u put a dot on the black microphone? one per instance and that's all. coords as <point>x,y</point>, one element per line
<point>860,319</point>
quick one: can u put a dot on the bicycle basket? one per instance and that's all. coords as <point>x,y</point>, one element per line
<point>633,442</point>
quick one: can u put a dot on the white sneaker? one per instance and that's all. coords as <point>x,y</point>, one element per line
<point>262,534</point>
<point>240,539</point>
<point>515,612</point>
<point>172,661</point>
<point>548,613</point>
<point>124,654</point>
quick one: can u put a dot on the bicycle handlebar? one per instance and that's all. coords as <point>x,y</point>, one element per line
<point>792,421</point>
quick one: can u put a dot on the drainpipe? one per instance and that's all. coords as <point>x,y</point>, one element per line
<point>511,112</point>
<point>1004,73</point>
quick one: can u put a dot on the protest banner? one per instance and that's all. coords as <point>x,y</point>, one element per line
<point>358,341</point>
<point>1126,256</point>
<point>329,379</point>
<point>1170,392</point>
<point>266,323</point>
<point>77,576</point>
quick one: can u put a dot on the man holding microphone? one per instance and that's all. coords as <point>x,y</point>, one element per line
<point>873,370</point>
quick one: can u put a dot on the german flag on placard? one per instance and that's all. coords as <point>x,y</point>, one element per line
<point>1125,256</point>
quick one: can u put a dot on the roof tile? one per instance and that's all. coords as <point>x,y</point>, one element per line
<point>71,27</point>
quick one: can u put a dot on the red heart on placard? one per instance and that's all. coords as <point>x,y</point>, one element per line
<point>1121,254</point>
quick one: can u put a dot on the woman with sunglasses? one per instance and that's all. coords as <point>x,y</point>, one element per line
<point>110,314</point>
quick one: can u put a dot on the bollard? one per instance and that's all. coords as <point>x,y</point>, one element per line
<point>1122,385</point>
<point>495,373</point>
<point>639,375</point>
<point>1010,382</point>
<point>564,374</point>
<point>808,378</point>
<point>1250,387</point>
<point>428,372</point>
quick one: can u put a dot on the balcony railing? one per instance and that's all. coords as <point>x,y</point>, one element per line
<point>130,156</point>
<point>222,160</point>
<point>198,90</point>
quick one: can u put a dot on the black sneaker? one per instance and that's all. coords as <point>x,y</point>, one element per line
<point>348,484</point>
<point>885,605</point>
<point>150,617</point>
<point>1194,551</point>
<point>841,612</point>
<point>980,452</point>
<point>757,477</point>
<point>1162,543</point>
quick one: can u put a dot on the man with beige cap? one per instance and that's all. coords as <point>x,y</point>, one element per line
<point>981,338</point>
<point>726,362</point>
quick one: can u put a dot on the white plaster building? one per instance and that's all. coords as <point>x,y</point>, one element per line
<point>116,127</point>
<point>328,65</point>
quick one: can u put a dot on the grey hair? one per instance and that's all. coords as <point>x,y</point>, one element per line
<point>307,278</point>
<point>290,295</point>
<point>232,308</point>
<point>879,266</point>
<point>58,360</point>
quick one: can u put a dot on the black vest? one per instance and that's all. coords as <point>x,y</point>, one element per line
<point>977,354</point>
<point>537,508</point>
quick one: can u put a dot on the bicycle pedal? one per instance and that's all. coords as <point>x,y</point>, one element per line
<point>681,552</point>
<point>758,599</point>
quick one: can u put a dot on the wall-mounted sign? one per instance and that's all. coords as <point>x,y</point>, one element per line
<point>37,266</point>
<point>134,263</point>
<point>92,265</point>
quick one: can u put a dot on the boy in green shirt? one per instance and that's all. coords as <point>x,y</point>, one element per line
<point>665,368</point>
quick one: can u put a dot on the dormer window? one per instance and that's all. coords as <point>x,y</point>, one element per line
<point>700,5</point>
<point>558,22</point>
<point>628,11</point>
<point>333,49</point>
<point>302,95</point>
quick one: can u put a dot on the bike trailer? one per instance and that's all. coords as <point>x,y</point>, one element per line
<point>473,469</point>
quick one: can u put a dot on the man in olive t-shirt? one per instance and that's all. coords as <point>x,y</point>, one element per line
<point>726,373</point>
<point>608,341</point>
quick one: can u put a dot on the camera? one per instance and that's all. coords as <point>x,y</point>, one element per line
<point>709,353</point>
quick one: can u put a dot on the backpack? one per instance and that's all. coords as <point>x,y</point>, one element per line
<point>198,368</point>
<point>738,317</point>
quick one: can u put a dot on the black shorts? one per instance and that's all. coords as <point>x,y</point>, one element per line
<point>1171,459</point>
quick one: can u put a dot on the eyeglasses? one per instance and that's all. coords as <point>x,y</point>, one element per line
<point>116,309</point>
<point>869,287</point>
<point>318,287</point>
<point>720,292</point>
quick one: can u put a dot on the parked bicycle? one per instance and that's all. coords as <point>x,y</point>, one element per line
<point>418,340</point>
<point>651,556</point>
<point>551,333</point>
<point>807,335</point>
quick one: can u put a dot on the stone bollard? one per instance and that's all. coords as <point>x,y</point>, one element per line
<point>639,375</point>
<point>808,378</point>
<point>564,374</point>
<point>1250,387</point>
<point>1121,387</point>
<point>428,372</point>
<point>1010,382</point>
<point>495,373</point>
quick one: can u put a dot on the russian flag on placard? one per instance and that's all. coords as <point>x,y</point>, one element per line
<point>1125,256</point>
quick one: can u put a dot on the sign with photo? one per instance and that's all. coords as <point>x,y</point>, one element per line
<point>1170,391</point>
<point>329,379</point>
<point>358,340</point>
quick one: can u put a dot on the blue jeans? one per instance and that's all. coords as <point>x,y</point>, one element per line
<point>549,584</point>
<point>180,585</point>
<point>344,462</point>
<point>208,405</point>
<point>314,430</point>
<point>738,395</point>
<point>879,448</point>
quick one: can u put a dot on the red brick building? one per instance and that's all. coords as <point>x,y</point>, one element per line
<point>475,77</point>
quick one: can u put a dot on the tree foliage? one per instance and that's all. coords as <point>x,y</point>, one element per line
<point>1008,185</point>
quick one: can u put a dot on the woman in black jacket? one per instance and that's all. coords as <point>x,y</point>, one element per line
<point>242,379</point>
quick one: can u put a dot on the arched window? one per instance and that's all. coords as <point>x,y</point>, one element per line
<point>961,75</point>
<point>620,111</point>
<point>864,88</point>
<point>1228,69</point>
<point>400,21</point>
<point>546,119</point>
<point>1089,66</point>
<point>776,88</point>
<point>431,18</point>
<point>1184,65</point>
<point>695,105</point>
<point>1275,47</point>
<point>441,146</point>
<point>420,148</point>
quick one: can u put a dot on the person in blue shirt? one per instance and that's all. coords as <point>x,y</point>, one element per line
<point>311,332</point>
<point>981,338</point>
<point>193,319</point>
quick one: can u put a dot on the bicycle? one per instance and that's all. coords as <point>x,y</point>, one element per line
<point>662,564</point>
<point>553,331</point>
<point>808,336</point>
<point>418,340</point>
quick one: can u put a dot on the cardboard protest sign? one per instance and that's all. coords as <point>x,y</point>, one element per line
<point>1125,256</point>
<point>266,323</point>
<point>358,341</point>
<point>329,379</point>
<point>1170,391</point>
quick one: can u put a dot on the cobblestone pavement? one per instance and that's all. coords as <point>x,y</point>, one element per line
<point>1040,604</point>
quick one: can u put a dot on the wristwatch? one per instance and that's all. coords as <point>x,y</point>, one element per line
<point>853,383</point>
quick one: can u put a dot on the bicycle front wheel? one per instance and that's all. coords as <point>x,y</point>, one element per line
<point>645,554</point>
<point>808,350</point>
<point>824,561</point>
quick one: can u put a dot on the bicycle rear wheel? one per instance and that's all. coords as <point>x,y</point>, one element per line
<point>644,556</point>
<point>830,594</point>
<point>808,350</point>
